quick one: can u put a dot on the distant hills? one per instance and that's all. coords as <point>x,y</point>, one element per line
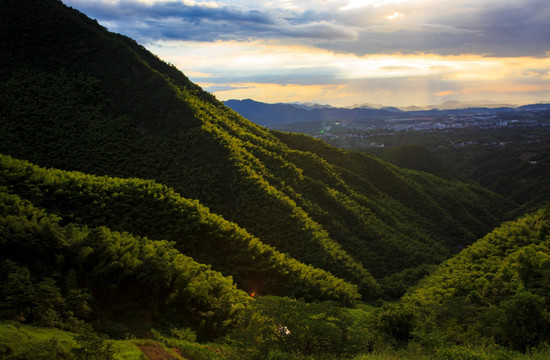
<point>276,114</point>
<point>271,115</point>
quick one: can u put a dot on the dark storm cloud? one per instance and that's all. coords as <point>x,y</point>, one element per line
<point>521,28</point>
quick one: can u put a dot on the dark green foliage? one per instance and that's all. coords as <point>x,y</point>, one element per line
<point>300,218</point>
<point>76,97</point>
<point>90,346</point>
<point>511,161</point>
<point>409,215</point>
<point>396,323</point>
<point>122,272</point>
<point>526,321</point>
<point>395,285</point>
<point>18,292</point>
<point>284,328</point>
<point>417,157</point>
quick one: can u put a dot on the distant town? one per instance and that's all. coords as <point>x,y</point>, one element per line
<point>373,134</point>
<point>379,127</point>
<point>477,120</point>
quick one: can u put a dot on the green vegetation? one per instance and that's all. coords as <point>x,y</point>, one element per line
<point>511,161</point>
<point>410,215</point>
<point>99,103</point>
<point>55,275</point>
<point>496,289</point>
<point>417,157</point>
<point>244,243</point>
<point>145,208</point>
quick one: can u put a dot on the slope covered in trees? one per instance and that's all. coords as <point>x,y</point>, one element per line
<point>55,275</point>
<point>77,97</point>
<point>498,288</point>
<point>145,208</point>
<point>231,206</point>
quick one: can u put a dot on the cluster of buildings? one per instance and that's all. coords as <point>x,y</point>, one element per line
<point>483,121</point>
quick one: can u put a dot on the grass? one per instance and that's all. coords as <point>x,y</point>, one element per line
<point>17,339</point>
<point>127,350</point>
<point>456,353</point>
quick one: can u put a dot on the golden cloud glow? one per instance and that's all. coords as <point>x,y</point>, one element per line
<point>394,16</point>
<point>269,92</point>
<point>355,4</point>
<point>271,72</point>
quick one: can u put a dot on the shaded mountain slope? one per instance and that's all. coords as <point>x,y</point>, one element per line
<point>408,213</point>
<point>419,158</point>
<point>76,97</point>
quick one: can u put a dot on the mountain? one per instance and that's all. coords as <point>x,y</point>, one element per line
<point>56,274</point>
<point>79,98</point>
<point>278,114</point>
<point>273,115</point>
<point>535,107</point>
<point>147,209</point>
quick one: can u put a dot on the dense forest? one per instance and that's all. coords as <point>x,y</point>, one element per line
<point>134,205</point>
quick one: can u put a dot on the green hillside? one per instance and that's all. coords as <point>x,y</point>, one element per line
<point>135,204</point>
<point>145,208</point>
<point>53,275</point>
<point>496,289</point>
<point>77,97</point>
<point>417,157</point>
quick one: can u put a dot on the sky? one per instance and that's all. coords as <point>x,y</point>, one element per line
<point>346,52</point>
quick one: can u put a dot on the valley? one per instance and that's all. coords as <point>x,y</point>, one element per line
<point>142,218</point>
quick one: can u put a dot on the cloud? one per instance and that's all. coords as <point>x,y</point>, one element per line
<point>198,21</point>
<point>490,27</point>
<point>396,52</point>
<point>220,88</point>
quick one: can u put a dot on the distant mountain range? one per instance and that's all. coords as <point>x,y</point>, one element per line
<point>286,113</point>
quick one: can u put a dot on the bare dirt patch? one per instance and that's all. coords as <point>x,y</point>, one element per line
<point>155,352</point>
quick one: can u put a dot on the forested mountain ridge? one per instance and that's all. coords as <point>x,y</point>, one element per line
<point>77,97</point>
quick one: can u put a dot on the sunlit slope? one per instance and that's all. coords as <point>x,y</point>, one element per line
<point>392,213</point>
<point>145,208</point>
<point>496,288</point>
<point>53,274</point>
<point>77,97</point>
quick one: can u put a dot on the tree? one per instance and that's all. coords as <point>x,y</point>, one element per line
<point>526,322</point>
<point>17,291</point>
<point>396,322</point>
<point>91,346</point>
